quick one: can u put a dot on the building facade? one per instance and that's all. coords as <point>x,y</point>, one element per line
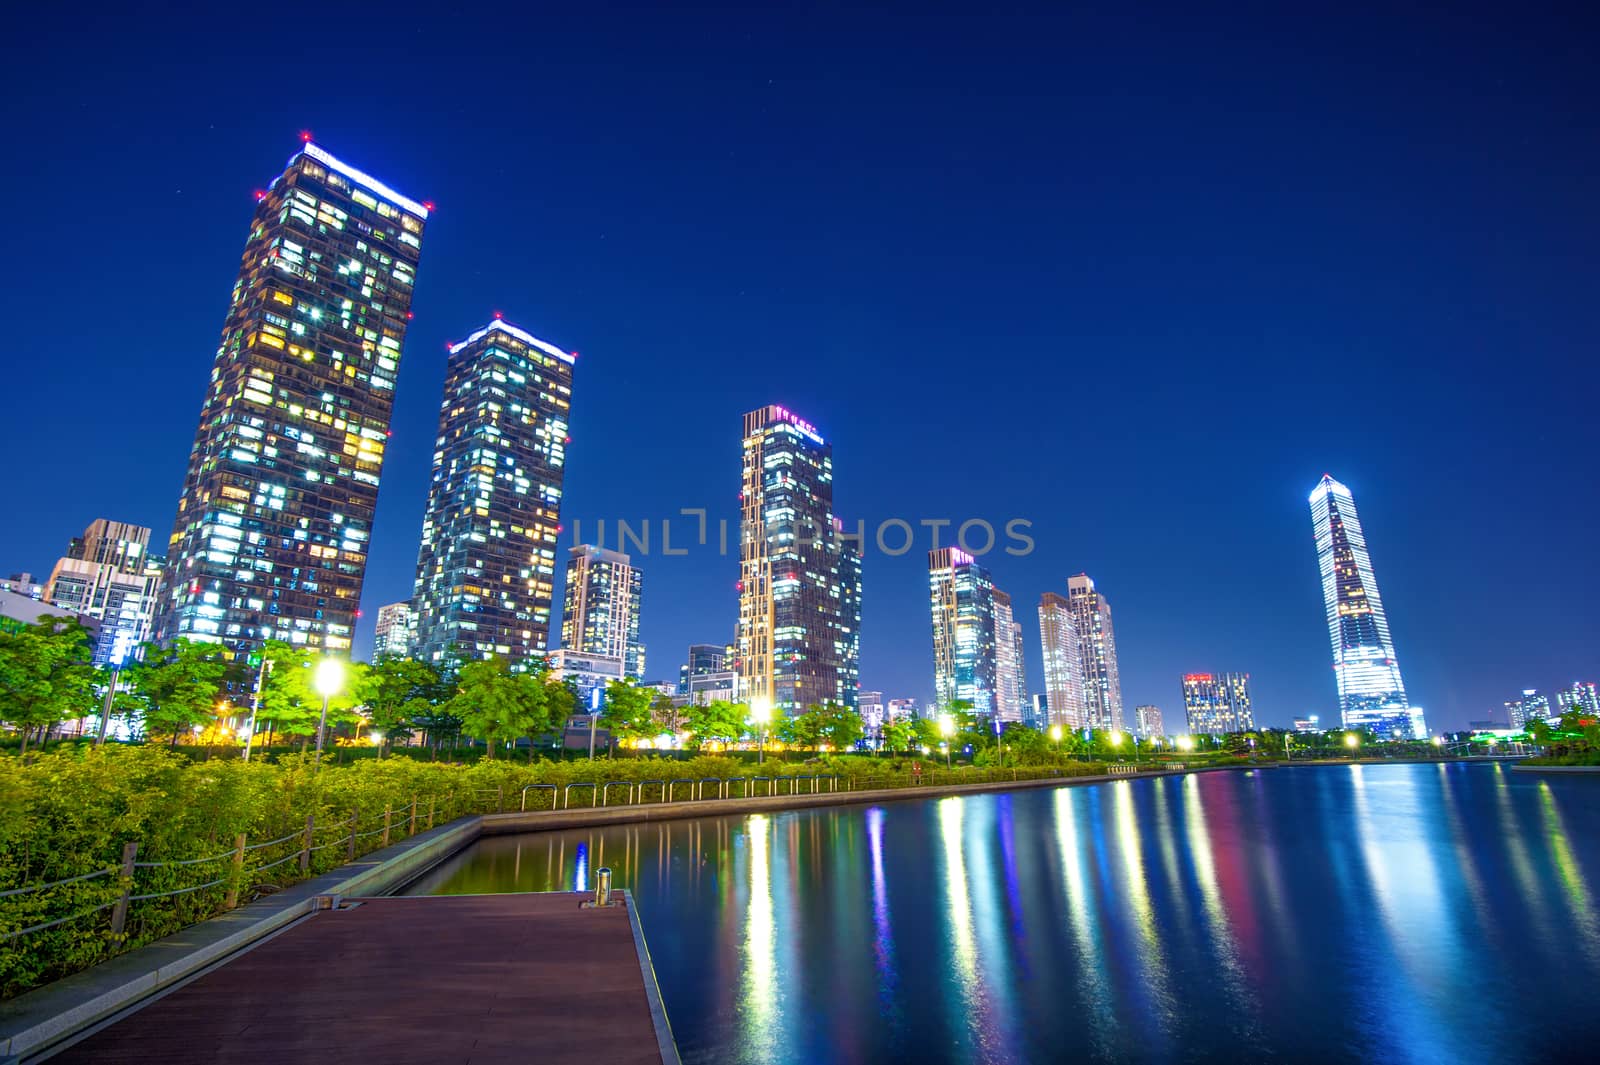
<point>1367,673</point>
<point>903,709</point>
<point>109,574</point>
<point>486,565</point>
<point>1147,722</point>
<point>275,517</point>
<point>588,675</point>
<point>1065,701</point>
<point>1217,702</point>
<point>1580,694</point>
<point>392,636</point>
<point>1011,688</point>
<point>965,639</point>
<point>1097,651</point>
<point>799,634</point>
<point>870,707</point>
<point>600,612</point>
<point>1531,707</point>
<point>704,658</point>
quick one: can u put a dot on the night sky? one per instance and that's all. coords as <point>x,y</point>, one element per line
<point>1138,277</point>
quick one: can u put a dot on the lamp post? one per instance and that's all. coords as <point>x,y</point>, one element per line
<point>761,713</point>
<point>1352,741</point>
<point>1055,737</point>
<point>947,729</point>
<point>329,681</point>
<point>262,670</point>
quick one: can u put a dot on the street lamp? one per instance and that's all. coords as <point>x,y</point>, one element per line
<point>947,729</point>
<point>329,681</point>
<point>1055,737</point>
<point>1351,740</point>
<point>761,713</point>
<point>1185,743</point>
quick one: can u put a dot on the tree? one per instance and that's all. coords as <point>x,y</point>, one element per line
<point>627,710</point>
<point>45,675</point>
<point>839,726</point>
<point>497,705</point>
<point>717,721</point>
<point>899,734</point>
<point>290,700</point>
<point>398,691</point>
<point>178,687</point>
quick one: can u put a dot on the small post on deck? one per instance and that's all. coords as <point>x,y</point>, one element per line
<point>602,887</point>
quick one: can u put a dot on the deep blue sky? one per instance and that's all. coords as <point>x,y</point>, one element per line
<point>1139,277</point>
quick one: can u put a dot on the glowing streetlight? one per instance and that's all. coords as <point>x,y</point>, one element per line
<point>329,681</point>
<point>947,729</point>
<point>1055,737</point>
<point>1351,740</point>
<point>1116,739</point>
<point>1185,743</point>
<point>761,713</point>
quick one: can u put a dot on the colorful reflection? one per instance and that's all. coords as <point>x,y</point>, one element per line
<point>1316,913</point>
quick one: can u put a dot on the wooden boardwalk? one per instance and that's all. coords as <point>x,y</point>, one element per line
<point>473,979</point>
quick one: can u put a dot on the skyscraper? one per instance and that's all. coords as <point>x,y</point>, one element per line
<point>1217,702</point>
<point>1011,690</point>
<point>799,632</point>
<point>392,636</point>
<point>600,614</point>
<point>1580,694</point>
<point>1097,650</point>
<point>1065,702</point>
<point>1531,707</point>
<point>486,566</point>
<point>273,525</point>
<point>1371,694</point>
<point>1147,721</point>
<point>109,574</point>
<point>965,636</point>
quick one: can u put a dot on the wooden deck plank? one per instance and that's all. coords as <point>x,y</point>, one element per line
<point>475,979</point>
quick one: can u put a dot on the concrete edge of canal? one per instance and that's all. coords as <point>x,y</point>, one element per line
<point>40,1022</point>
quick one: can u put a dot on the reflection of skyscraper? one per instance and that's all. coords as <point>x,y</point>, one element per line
<point>1011,693</point>
<point>1217,702</point>
<point>273,525</point>
<point>486,566</point>
<point>965,639</point>
<point>1371,694</point>
<point>1063,668</point>
<point>1097,650</point>
<point>799,635</point>
<point>600,613</point>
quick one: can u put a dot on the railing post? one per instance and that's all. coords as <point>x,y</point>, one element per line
<point>235,874</point>
<point>305,848</point>
<point>430,810</point>
<point>499,798</point>
<point>387,812</point>
<point>412,829</point>
<point>119,912</point>
<point>350,852</point>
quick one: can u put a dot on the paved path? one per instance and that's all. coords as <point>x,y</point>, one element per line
<point>473,979</point>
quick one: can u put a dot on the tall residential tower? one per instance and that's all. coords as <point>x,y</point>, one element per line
<point>799,635</point>
<point>966,639</point>
<point>1097,650</point>
<point>275,518</point>
<point>1371,694</point>
<point>600,614</point>
<point>486,568</point>
<point>1065,703</point>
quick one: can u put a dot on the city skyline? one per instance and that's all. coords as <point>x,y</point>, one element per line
<point>845,306</point>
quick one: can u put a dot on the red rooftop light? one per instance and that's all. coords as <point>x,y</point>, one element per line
<point>428,204</point>
<point>305,135</point>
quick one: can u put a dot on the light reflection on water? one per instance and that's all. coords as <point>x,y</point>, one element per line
<point>1380,913</point>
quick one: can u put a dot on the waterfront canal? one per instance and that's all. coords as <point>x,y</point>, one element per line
<point>1405,913</point>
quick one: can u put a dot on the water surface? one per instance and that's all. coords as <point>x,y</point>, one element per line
<point>1404,913</point>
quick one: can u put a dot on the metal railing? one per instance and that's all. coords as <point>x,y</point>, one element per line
<point>551,788</point>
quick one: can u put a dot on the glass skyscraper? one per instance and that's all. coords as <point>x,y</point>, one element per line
<point>799,635</point>
<point>600,614</point>
<point>1371,694</point>
<point>1011,689</point>
<point>275,518</point>
<point>966,639</point>
<point>1063,663</point>
<point>486,566</point>
<point>1217,702</point>
<point>1097,650</point>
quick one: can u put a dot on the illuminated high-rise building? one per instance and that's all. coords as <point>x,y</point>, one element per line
<point>600,614</point>
<point>1371,694</point>
<point>1531,707</point>
<point>1011,690</point>
<point>1097,650</point>
<point>1147,721</point>
<point>965,636</point>
<point>275,518</point>
<point>1580,695</point>
<point>391,638</point>
<point>486,567</point>
<point>799,634</point>
<point>1064,702</point>
<point>109,574</point>
<point>1217,702</point>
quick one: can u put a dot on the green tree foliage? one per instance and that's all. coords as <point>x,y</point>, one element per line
<point>899,735</point>
<point>177,687</point>
<point>498,706</point>
<point>290,701</point>
<point>398,693</point>
<point>716,722</point>
<point>628,711</point>
<point>45,675</point>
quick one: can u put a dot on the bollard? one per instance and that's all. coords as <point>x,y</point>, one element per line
<point>602,887</point>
